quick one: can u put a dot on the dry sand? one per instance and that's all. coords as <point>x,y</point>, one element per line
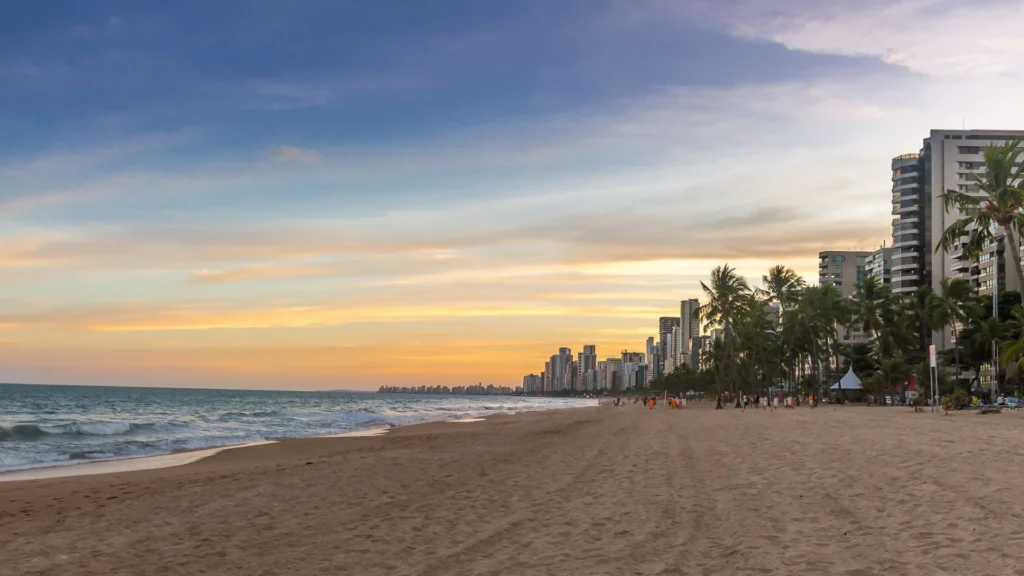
<point>590,491</point>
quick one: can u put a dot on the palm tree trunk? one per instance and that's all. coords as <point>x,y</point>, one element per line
<point>729,336</point>
<point>1014,247</point>
<point>822,385</point>
<point>956,353</point>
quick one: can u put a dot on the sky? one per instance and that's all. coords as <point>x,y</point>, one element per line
<point>328,194</point>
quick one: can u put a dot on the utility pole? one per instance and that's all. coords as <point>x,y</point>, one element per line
<point>995,314</point>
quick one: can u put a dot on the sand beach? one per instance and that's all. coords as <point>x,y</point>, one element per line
<point>585,491</point>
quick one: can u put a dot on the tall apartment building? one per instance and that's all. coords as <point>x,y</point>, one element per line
<point>668,343</point>
<point>879,265</point>
<point>586,367</point>
<point>666,336</point>
<point>613,377</point>
<point>911,210</point>
<point>651,358</point>
<point>556,373</point>
<point>689,328</point>
<point>948,159</point>
<point>843,269</point>
<point>532,384</point>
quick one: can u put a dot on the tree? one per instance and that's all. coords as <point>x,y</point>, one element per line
<point>758,341</point>
<point>870,301</point>
<point>952,306</point>
<point>725,292</point>
<point>887,373</point>
<point>782,286</point>
<point>997,212</point>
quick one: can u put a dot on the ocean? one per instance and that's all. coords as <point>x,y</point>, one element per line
<point>61,425</point>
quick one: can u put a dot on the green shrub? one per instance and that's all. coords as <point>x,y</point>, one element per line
<point>961,399</point>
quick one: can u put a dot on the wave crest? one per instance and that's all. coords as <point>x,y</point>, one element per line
<point>28,432</point>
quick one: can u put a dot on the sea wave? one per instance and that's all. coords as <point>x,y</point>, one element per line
<point>28,432</point>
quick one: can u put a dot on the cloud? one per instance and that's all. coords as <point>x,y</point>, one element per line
<point>294,155</point>
<point>287,94</point>
<point>214,316</point>
<point>19,67</point>
<point>916,34</point>
<point>257,272</point>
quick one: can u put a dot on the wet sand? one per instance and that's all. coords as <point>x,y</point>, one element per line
<point>588,491</point>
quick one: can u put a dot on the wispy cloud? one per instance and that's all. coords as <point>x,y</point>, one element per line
<point>911,33</point>
<point>283,94</point>
<point>293,154</point>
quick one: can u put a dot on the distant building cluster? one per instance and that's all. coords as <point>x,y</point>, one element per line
<point>475,390</point>
<point>678,343</point>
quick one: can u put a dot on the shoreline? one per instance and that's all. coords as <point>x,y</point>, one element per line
<point>185,457</point>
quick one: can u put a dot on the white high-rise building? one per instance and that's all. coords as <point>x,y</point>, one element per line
<point>949,159</point>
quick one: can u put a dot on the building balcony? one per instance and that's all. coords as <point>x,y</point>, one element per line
<point>904,260</point>
<point>906,219</point>
<point>906,209</point>
<point>906,174</point>
<point>906,277</point>
<point>906,266</point>
<point>904,289</point>
<point>906,243</point>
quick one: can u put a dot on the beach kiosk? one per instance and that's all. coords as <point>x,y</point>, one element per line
<point>851,387</point>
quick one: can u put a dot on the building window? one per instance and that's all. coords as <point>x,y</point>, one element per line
<point>838,259</point>
<point>968,149</point>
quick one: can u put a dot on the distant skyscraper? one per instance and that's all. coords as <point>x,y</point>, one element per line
<point>843,269</point>
<point>689,328</point>
<point>612,376</point>
<point>666,339</point>
<point>879,265</point>
<point>557,372</point>
<point>588,366</point>
<point>531,384</point>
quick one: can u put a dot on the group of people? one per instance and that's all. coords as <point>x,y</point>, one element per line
<point>650,402</point>
<point>766,403</point>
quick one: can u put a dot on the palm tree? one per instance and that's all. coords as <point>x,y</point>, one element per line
<point>986,334</point>
<point>999,210</point>
<point>951,306</point>
<point>757,338</point>
<point>887,372</point>
<point>870,303</point>
<point>724,293</point>
<point>782,285</point>
<point>812,324</point>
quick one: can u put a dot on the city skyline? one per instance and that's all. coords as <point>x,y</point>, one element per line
<point>448,194</point>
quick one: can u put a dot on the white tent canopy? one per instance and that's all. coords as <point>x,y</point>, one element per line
<point>849,382</point>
